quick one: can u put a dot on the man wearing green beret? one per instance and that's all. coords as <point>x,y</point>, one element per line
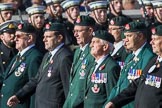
<point>23,66</point>
<point>116,29</point>
<point>83,31</point>
<point>6,12</point>
<point>51,84</point>
<point>104,72</point>
<point>135,41</point>
<point>37,19</point>
<point>99,13</point>
<point>146,90</point>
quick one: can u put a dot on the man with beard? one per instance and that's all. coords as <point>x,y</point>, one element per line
<point>37,19</point>
<point>7,46</point>
<point>99,13</point>
<point>6,12</point>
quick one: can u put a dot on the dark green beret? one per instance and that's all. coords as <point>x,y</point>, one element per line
<point>25,27</point>
<point>104,35</point>
<point>54,27</point>
<point>8,26</point>
<point>135,26</point>
<point>157,30</point>
<point>85,21</point>
<point>119,21</point>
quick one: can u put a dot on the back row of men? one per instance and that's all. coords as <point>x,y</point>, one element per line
<point>111,55</point>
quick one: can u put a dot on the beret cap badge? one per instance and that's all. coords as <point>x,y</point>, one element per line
<point>153,30</point>
<point>47,26</point>
<point>127,26</point>
<point>20,26</point>
<point>78,20</point>
<point>112,22</point>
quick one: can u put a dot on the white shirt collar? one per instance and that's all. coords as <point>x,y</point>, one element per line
<point>26,49</point>
<point>100,61</point>
<point>117,46</point>
<point>83,48</point>
<point>53,52</point>
<point>138,51</point>
<point>159,59</point>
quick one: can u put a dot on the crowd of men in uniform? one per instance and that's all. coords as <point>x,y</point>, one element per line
<point>97,60</point>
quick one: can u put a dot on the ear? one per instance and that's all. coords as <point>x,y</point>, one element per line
<point>30,38</point>
<point>105,47</point>
<point>59,38</point>
<point>29,19</point>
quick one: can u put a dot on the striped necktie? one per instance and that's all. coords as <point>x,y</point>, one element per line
<point>47,60</point>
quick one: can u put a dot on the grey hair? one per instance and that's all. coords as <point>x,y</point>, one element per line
<point>111,46</point>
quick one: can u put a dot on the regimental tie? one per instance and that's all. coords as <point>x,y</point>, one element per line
<point>46,62</point>
<point>91,71</point>
<point>18,57</point>
<point>79,54</point>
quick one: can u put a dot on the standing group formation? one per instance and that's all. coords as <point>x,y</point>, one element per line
<point>97,60</point>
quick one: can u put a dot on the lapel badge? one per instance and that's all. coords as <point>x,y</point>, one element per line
<point>102,67</point>
<point>95,88</point>
<point>49,72</point>
<point>136,59</point>
<point>82,74</point>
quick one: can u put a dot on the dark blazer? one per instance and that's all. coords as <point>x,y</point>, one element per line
<point>51,89</point>
<point>24,69</point>
<point>6,55</point>
<point>145,95</point>
<point>111,70</point>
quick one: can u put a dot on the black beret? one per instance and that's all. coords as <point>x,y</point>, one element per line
<point>104,35</point>
<point>157,30</point>
<point>26,27</point>
<point>85,21</point>
<point>54,27</point>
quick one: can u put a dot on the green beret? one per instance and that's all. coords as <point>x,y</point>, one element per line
<point>6,6</point>
<point>98,5</point>
<point>35,10</point>
<point>135,26</point>
<point>85,21</point>
<point>25,27</point>
<point>54,27</point>
<point>157,30</point>
<point>9,26</point>
<point>69,3</point>
<point>119,21</point>
<point>104,35</point>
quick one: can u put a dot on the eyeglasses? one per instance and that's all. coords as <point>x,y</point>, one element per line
<point>21,36</point>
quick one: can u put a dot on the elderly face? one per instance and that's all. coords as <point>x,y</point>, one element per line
<point>131,40</point>
<point>51,40</point>
<point>7,15</point>
<point>117,4</point>
<point>21,39</point>
<point>116,32</point>
<point>37,20</point>
<point>82,35</point>
<point>156,43</point>
<point>73,12</point>
<point>97,47</point>
<point>101,15</point>
<point>8,39</point>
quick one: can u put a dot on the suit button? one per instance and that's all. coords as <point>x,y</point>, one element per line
<point>2,95</point>
<point>3,62</point>
<point>3,84</point>
<point>86,97</point>
<point>71,84</point>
